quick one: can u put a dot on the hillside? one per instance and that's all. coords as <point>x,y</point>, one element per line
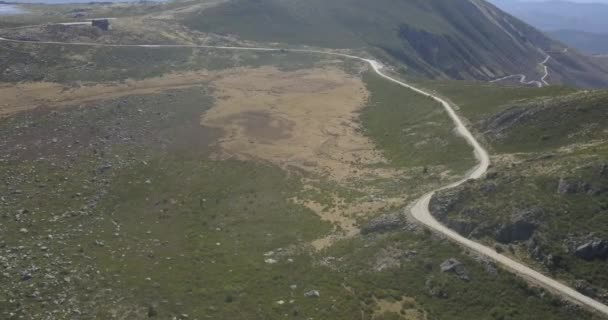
<point>545,199</point>
<point>194,182</point>
<point>460,39</point>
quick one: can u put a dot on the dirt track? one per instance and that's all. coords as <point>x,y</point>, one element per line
<point>420,209</point>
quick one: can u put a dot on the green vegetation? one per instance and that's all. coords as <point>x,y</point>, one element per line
<point>477,101</point>
<point>415,273</point>
<point>413,130</point>
<point>546,194</point>
<point>552,122</point>
<point>517,119</point>
<point>69,64</point>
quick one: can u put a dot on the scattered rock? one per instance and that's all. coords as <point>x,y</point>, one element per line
<point>312,294</point>
<point>26,275</point>
<point>270,261</point>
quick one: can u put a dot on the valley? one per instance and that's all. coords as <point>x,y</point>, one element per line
<point>267,180</point>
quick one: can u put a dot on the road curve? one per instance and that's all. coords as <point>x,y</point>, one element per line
<point>420,209</point>
<point>522,77</point>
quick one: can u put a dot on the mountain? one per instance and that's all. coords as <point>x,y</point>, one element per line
<point>458,39</point>
<point>588,42</point>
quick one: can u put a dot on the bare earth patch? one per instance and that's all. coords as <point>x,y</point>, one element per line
<point>407,308</point>
<point>303,120</point>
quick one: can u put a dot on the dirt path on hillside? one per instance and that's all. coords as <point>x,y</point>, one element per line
<point>420,209</point>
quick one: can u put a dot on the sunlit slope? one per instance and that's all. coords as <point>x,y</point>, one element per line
<point>459,39</point>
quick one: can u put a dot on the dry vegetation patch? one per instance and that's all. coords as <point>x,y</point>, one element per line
<point>303,120</point>
<point>30,95</point>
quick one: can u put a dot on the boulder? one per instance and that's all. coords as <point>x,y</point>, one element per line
<point>312,294</point>
<point>520,230</point>
<point>454,266</point>
<point>597,249</point>
<point>566,187</point>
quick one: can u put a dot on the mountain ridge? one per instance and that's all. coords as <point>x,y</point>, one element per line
<point>460,39</point>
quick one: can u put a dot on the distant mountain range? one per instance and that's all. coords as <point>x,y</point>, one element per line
<point>581,25</point>
<point>589,42</point>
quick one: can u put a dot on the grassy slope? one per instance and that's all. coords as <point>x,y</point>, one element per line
<point>403,28</point>
<point>432,38</point>
<point>155,252</point>
<point>64,64</point>
<point>413,130</point>
<point>477,100</point>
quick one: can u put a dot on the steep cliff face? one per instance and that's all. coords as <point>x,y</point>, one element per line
<point>459,39</point>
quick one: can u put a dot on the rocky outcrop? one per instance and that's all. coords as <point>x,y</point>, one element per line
<point>570,186</point>
<point>443,202</point>
<point>596,249</point>
<point>499,125</point>
<point>521,227</point>
<point>456,267</point>
<point>385,223</point>
<point>519,230</point>
<point>566,187</point>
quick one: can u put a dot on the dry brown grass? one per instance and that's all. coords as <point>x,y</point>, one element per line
<point>304,120</point>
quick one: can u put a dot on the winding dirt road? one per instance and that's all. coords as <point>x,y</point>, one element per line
<point>523,77</point>
<point>420,209</point>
